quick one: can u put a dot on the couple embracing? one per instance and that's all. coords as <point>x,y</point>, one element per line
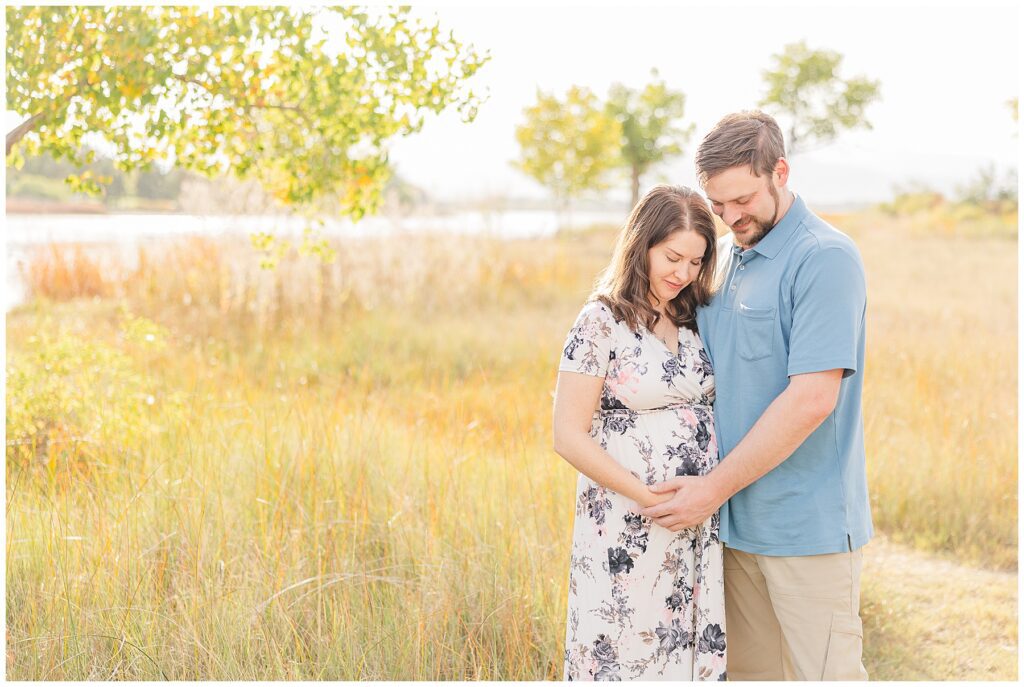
<point>709,393</point>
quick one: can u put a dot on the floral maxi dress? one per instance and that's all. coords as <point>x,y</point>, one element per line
<point>645,603</point>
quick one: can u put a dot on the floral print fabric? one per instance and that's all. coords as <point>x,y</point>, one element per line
<point>645,603</point>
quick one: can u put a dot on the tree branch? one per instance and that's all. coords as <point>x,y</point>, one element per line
<point>249,106</point>
<point>286,108</point>
<point>185,79</point>
<point>18,132</point>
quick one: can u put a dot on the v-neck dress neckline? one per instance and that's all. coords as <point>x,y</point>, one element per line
<point>679,341</point>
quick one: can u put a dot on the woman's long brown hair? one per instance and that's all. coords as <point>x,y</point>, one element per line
<point>624,284</point>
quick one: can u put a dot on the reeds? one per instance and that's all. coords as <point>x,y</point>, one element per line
<point>345,472</point>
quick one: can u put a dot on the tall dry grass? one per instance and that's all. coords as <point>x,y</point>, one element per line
<point>345,472</point>
<point>940,396</point>
<point>314,493</point>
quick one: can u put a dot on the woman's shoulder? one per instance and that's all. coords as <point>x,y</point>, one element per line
<point>595,321</point>
<point>593,339</point>
<point>596,312</point>
<point>595,307</point>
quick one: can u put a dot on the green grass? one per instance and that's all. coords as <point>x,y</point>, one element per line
<point>346,473</point>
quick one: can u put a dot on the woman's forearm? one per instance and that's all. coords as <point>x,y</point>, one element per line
<point>581,451</point>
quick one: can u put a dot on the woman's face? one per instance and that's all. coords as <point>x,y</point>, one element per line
<point>674,263</point>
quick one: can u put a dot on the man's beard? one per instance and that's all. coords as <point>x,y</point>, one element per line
<point>760,228</point>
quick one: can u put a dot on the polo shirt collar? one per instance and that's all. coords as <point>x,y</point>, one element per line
<point>771,244</point>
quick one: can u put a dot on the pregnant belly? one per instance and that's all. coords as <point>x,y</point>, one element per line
<point>658,445</point>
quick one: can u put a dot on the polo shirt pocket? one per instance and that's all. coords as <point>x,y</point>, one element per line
<point>756,332</point>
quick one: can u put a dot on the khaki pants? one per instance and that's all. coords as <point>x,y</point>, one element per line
<point>793,617</point>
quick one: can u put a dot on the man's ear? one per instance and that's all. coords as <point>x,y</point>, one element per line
<point>781,171</point>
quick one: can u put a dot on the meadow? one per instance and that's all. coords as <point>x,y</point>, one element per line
<point>344,471</point>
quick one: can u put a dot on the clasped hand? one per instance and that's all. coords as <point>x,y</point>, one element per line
<point>694,501</point>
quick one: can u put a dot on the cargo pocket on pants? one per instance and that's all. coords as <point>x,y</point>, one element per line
<point>845,645</point>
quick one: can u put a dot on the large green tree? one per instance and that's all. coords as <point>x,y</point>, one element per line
<point>570,144</point>
<point>304,100</point>
<point>804,88</point>
<point>651,130</point>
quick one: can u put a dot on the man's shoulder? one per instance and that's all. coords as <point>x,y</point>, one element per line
<point>818,236</point>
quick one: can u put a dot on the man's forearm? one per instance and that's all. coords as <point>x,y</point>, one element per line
<point>780,430</point>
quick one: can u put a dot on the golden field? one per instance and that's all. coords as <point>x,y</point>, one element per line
<point>344,471</point>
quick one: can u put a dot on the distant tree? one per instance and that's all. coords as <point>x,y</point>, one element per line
<point>154,185</point>
<point>988,192</point>
<point>911,198</point>
<point>805,89</point>
<point>651,133</point>
<point>143,183</point>
<point>569,145</point>
<point>46,166</point>
<point>303,100</point>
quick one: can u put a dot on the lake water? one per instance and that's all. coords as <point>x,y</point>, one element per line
<point>23,233</point>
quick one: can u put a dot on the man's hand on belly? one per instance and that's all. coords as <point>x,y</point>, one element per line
<point>696,499</point>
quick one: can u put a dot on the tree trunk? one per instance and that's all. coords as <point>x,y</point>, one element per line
<point>325,289</point>
<point>793,144</point>
<point>636,186</point>
<point>561,205</point>
<point>18,132</point>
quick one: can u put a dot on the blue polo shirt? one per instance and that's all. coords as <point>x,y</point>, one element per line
<point>794,303</point>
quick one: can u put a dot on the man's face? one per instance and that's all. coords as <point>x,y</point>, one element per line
<point>749,204</point>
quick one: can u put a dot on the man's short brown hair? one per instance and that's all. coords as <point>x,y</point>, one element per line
<point>750,138</point>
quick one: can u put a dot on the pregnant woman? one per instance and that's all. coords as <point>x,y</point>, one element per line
<point>633,407</point>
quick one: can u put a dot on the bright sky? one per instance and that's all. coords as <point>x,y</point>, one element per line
<point>946,74</point>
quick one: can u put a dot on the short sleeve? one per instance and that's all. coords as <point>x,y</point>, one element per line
<point>829,303</point>
<point>588,345</point>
